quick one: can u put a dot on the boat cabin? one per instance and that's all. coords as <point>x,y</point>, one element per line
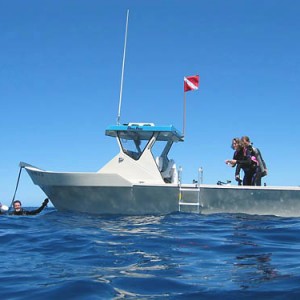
<point>148,145</point>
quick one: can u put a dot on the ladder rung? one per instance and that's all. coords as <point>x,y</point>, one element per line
<point>190,189</point>
<point>189,203</point>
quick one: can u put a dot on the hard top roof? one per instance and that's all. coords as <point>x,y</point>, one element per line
<point>144,131</point>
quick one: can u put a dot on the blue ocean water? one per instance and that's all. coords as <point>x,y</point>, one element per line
<point>177,256</point>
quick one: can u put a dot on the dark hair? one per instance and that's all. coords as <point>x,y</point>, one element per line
<point>17,201</point>
<point>246,138</point>
<point>237,141</point>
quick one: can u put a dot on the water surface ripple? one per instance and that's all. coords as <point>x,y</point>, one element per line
<point>177,256</point>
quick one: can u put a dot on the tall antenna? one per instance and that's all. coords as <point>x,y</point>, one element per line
<point>123,65</point>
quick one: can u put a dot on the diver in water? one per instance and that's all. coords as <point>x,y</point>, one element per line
<point>19,211</point>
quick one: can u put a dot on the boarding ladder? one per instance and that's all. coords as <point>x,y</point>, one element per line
<point>189,196</point>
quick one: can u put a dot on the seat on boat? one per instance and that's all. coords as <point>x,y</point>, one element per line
<point>170,175</point>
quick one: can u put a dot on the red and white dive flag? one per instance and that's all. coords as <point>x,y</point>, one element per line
<point>191,83</point>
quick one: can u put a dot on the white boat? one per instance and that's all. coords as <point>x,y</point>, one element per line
<point>142,179</point>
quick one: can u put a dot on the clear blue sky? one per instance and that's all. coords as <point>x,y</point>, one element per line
<point>60,69</point>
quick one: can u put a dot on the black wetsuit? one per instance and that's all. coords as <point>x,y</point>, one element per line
<point>260,170</point>
<point>244,162</point>
<point>30,212</point>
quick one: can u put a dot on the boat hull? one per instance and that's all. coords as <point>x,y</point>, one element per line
<point>279,201</point>
<point>129,200</point>
<point>97,193</point>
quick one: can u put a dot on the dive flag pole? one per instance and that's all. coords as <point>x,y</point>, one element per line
<point>190,83</point>
<point>184,113</point>
<point>123,66</point>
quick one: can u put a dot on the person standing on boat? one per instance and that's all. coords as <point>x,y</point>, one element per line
<point>261,168</point>
<point>242,160</point>
<point>19,211</point>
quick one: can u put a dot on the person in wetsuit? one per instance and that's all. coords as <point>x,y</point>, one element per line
<point>242,160</point>
<point>261,167</point>
<point>19,211</point>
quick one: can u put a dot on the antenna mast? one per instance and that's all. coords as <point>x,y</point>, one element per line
<point>123,66</point>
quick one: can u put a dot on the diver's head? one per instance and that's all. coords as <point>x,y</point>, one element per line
<point>17,205</point>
